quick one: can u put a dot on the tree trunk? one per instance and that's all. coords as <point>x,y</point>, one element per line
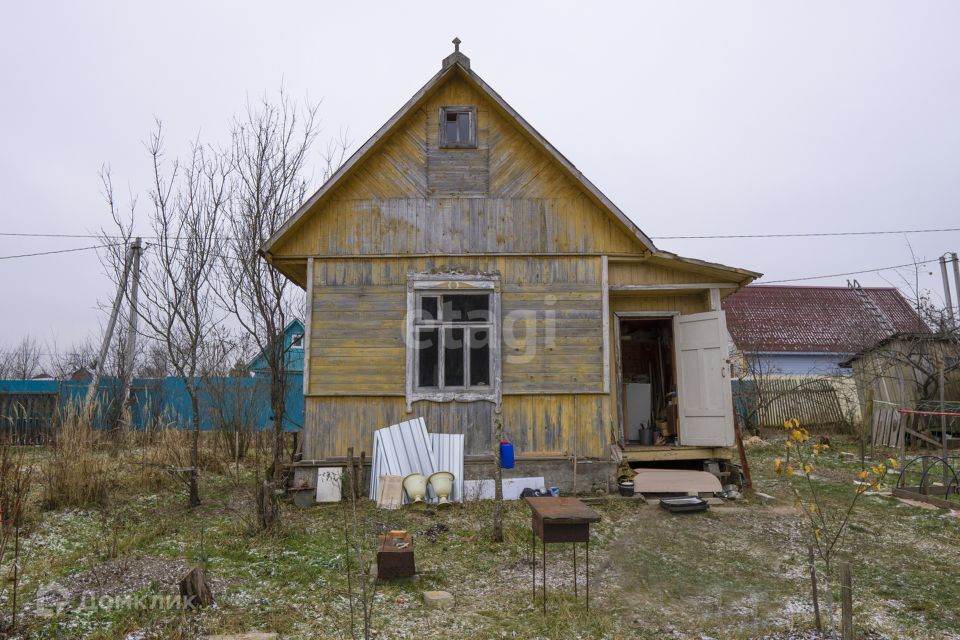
<point>278,401</point>
<point>497,482</point>
<point>195,453</point>
<point>267,511</point>
<point>195,590</point>
<point>813,585</point>
<point>846,602</point>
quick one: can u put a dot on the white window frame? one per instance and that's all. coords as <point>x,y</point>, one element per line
<point>419,284</point>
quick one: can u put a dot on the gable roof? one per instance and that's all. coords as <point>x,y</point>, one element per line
<point>293,327</point>
<point>454,64</point>
<point>925,337</point>
<point>784,319</point>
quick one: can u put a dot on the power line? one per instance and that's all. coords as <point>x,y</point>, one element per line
<point>47,253</point>
<point>812,234</point>
<point>90,235</point>
<point>851,273</point>
<point>54,235</point>
<point>781,235</point>
<point>801,235</point>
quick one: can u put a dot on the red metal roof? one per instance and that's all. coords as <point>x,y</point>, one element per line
<point>813,319</point>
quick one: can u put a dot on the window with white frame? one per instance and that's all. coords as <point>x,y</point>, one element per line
<point>452,348</point>
<point>452,340</point>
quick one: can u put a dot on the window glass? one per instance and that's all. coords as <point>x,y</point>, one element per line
<point>479,357</point>
<point>428,345</point>
<point>466,308</point>
<point>458,127</point>
<point>453,130</point>
<point>451,338</point>
<point>453,358</point>
<point>428,308</point>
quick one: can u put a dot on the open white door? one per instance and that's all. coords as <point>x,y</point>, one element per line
<point>704,394</point>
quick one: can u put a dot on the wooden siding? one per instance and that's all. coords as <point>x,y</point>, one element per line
<point>335,423</point>
<point>628,273</point>
<point>457,172</point>
<point>680,303</point>
<point>405,198</point>
<point>549,425</point>
<point>552,325</point>
<point>455,226</point>
<point>559,425</point>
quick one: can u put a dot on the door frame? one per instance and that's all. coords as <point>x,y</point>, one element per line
<point>618,317</point>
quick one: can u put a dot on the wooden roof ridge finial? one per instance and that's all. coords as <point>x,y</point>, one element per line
<point>456,56</point>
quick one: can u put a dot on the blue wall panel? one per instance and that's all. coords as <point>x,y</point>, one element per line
<point>801,364</point>
<point>222,401</point>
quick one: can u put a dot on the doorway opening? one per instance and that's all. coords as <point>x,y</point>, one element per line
<point>648,382</point>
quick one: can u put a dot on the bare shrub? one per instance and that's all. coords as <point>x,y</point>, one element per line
<point>164,456</point>
<point>15,482</point>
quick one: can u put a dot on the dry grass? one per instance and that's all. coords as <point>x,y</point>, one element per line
<point>75,474</point>
<point>85,465</point>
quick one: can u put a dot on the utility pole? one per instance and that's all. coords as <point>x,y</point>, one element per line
<point>946,289</point>
<point>956,276</point>
<point>128,360</point>
<point>108,335</point>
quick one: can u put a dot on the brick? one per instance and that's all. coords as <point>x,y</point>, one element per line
<point>438,599</point>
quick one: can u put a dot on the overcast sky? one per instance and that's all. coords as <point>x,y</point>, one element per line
<point>695,118</point>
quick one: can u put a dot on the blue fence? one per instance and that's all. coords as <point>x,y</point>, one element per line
<point>28,407</point>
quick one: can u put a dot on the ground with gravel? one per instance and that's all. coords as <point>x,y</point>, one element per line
<point>735,572</point>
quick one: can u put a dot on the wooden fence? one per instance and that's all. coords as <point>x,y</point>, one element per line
<point>885,429</point>
<point>812,401</point>
<point>918,427</point>
<point>28,418</point>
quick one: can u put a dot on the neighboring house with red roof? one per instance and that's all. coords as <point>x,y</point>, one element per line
<point>803,330</point>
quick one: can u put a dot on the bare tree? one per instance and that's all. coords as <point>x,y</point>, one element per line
<point>80,355</point>
<point>154,363</point>
<point>178,311</point>
<point>269,155</point>
<point>22,362</point>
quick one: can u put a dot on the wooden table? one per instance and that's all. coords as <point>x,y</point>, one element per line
<point>558,520</point>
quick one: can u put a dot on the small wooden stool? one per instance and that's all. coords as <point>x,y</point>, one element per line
<point>395,556</point>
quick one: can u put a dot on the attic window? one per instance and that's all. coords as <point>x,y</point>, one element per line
<point>458,128</point>
<point>297,341</point>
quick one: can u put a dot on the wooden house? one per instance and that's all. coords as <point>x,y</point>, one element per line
<point>292,352</point>
<point>790,342</point>
<point>459,268</point>
<point>903,371</point>
<point>809,331</point>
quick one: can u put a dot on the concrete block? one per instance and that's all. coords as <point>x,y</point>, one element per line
<point>328,484</point>
<point>438,599</point>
